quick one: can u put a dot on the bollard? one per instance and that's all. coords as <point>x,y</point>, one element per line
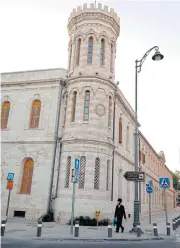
<point>178,220</point>
<point>155,229</point>
<point>39,228</point>
<point>168,229</point>
<point>174,224</point>
<point>138,230</point>
<point>109,231</point>
<point>3,226</point>
<point>76,229</point>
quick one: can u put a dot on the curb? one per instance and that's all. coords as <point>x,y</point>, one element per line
<point>99,240</point>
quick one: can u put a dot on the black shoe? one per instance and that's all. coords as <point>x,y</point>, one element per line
<point>117,231</point>
<point>122,229</point>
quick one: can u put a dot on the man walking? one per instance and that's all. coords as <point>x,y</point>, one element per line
<point>119,214</point>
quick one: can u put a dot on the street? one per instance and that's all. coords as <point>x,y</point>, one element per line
<point>7,243</point>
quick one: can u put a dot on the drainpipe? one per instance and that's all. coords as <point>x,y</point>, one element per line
<point>61,85</point>
<point>114,119</point>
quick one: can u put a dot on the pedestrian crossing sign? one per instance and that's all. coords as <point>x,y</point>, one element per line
<point>164,182</point>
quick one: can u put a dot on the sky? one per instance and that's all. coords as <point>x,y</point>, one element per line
<point>34,36</point>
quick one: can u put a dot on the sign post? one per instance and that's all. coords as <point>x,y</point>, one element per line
<point>74,181</point>
<point>137,176</point>
<point>149,190</point>
<point>164,183</point>
<point>9,187</point>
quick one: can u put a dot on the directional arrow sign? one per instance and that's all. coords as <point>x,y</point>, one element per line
<point>135,176</point>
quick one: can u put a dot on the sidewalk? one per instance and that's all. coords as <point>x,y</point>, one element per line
<point>24,229</point>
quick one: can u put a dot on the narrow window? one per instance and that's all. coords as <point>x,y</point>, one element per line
<point>120,131</point>
<point>108,175</point>
<point>74,106</point>
<point>111,58</point>
<point>82,172</point>
<point>97,173</point>
<point>102,52</point>
<point>70,55</point>
<point>68,171</point>
<point>110,111</point>
<point>127,138</point>
<point>27,176</point>
<point>90,50</point>
<point>78,51</point>
<point>35,114</point>
<point>5,114</point>
<point>86,105</point>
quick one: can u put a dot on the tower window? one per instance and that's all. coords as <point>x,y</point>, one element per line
<point>111,59</point>
<point>110,111</point>
<point>78,51</point>
<point>120,131</point>
<point>70,55</point>
<point>74,106</point>
<point>90,50</point>
<point>86,105</point>
<point>35,114</point>
<point>102,52</point>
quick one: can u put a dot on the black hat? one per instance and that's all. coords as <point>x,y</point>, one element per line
<point>119,200</point>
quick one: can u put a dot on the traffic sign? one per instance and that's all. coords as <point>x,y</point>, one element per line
<point>150,183</point>
<point>135,176</point>
<point>9,185</point>
<point>149,190</point>
<point>10,176</point>
<point>76,170</point>
<point>164,182</point>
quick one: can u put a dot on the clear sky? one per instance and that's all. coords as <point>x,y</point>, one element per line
<point>34,36</point>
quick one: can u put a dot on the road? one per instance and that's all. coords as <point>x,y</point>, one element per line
<point>52,244</point>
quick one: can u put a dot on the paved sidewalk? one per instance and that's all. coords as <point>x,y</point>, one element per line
<point>24,229</point>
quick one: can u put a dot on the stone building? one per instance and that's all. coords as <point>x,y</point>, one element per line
<point>96,125</point>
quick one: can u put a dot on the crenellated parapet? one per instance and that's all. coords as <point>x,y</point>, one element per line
<point>91,12</point>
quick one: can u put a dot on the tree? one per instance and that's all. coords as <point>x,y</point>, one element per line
<point>176,180</point>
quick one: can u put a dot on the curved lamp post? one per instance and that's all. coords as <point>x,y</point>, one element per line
<point>138,65</point>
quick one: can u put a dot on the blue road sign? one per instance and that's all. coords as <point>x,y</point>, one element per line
<point>164,182</point>
<point>149,190</point>
<point>150,183</point>
<point>76,170</point>
<point>10,176</point>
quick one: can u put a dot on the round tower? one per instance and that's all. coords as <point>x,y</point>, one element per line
<point>88,124</point>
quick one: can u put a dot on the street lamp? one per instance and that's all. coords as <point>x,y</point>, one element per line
<point>138,64</point>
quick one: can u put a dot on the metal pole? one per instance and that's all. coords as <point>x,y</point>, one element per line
<point>149,208</point>
<point>140,198</point>
<point>55,144</point>
<point>7,209</point>
<point>73,202</point>
<point>136,200</point>
<point>165,206</point>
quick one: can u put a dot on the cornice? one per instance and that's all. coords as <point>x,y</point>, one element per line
<point>22,83</point>
<point>94,16</point>
<point>90,142</point>
<point>28,142</point>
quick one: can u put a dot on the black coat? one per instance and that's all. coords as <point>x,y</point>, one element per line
<point>120,212</point>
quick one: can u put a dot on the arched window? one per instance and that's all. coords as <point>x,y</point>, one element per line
<point>82,172</point>
<point>127,138</point>
<point>78,51</point>
<point>35,113</point>
<point>73,106</point>
<point>86,105</point>
<point>97,173</point>
<point>5,108</point>
<point>111,58</point>
<point>68,172</point>
<point>120,131</point>
<point>110,112</point>
<point>108,175</point>
<point>102,52</point>
<point>90,50</point>
<point>70,55</point>
<point>27,176</point>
